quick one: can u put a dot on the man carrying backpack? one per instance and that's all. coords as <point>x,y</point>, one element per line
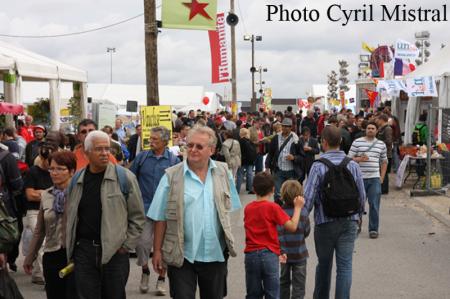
<point>335,189</point>
<point>371,155</point>
<point>420,132</point>
<point>105,219</point>
<point>149,167</point>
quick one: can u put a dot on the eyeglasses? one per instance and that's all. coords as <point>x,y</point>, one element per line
<point>101,149</point>
<point>196,145</point>
<point>57,169</point>
<point>84,132</point>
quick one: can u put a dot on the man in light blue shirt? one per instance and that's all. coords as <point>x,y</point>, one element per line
<point>206,238</point>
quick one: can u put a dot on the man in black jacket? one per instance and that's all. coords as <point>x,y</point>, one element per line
<point>10,186</point>
<point>135,143</point>
<point>285,158</point>
<point>310,147</point>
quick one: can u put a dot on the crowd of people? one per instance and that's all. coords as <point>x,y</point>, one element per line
<point>94,199</point>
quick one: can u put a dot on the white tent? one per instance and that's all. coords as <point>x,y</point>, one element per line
<point>439,67</point>
<point>19,65</point>
<point>181,98</point>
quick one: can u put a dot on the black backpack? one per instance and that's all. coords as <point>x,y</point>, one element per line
<point>340,195</point>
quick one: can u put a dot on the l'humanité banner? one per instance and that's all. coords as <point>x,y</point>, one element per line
<point>189,14</point>
<point>219,58</point>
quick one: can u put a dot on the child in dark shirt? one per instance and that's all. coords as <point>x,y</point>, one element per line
<point>293,247</point>
<point>262,250</point>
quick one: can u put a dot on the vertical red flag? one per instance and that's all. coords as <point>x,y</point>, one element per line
<point>372,95</point>
<point>219,57</point>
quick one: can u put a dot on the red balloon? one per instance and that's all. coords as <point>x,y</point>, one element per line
<point>205,100</point>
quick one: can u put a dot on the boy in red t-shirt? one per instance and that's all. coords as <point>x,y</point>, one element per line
<point>262,249</point>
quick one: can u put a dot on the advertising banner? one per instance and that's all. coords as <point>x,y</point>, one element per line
<point>155,116</point>
<point>405,50</point>
<point>189,14</point>
<point>219,56</point>
<point>422,87</point>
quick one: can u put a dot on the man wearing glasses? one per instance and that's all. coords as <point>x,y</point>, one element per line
<point>191,209</point>
<point>84,128</point>
<point>104,222</point>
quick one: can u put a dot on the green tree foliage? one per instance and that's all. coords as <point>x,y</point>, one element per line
<point>74,110</point>
<point>40,111</point>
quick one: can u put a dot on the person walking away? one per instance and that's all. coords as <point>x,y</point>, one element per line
<point>231,150</point>
<point>370,154</point>
<point>49,225</point>
<point>149,167</point>
<point>11,185</point>
<point>337,179</point>
<point>105,218</point>
<point>385,134</point>
<point>262,248</point>
<point>293,246</point>
<point>193,203</point>
<point>248,155</point>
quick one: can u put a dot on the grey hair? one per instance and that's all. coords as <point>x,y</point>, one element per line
<point>205,131</point>
<point>94,135</point>
<point>164,133</point>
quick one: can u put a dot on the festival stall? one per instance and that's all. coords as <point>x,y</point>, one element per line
<point>18,64</point>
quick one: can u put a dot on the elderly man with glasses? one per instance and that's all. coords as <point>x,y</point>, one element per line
<point>105,218</point>
<point>149,167</point>
<point>191,209</point>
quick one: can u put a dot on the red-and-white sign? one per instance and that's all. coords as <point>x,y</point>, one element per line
<point>303,103</point>
<point>219,56</point>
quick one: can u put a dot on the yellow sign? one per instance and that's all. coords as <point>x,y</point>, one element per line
<point>155,116</point>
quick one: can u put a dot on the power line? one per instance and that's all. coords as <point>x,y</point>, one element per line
<point>74,33</point>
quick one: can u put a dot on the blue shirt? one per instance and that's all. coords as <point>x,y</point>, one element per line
<point>204,240</point>
<point>149,170</point>
<point>121,133</point>
<point>314,184</point>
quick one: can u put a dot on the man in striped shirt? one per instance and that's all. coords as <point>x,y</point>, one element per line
<point>332,234</point>
<point>371,155</point>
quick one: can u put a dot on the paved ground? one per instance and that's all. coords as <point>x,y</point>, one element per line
<point>411,258</point>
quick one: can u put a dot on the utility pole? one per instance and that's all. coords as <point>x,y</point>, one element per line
<point>233,60</point>
<point>151,52</point>
<point>253,101</point>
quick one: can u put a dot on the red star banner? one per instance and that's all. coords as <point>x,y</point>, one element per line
<point>189,14</point>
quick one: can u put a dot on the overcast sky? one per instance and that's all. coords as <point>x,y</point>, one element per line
<point>297,54</point>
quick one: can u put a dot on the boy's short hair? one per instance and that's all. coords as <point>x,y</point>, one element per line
<point>263,184</point>
<point>290,190</point>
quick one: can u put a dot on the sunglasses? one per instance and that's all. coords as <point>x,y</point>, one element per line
<point>84,132</point>
<point>196,145</point>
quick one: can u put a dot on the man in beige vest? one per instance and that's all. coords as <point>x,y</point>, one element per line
<point>191,209</point>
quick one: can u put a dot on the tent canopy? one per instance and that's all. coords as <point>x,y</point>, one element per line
<point>32,66</point>
<point>14,109</point>
<point>438,65</point>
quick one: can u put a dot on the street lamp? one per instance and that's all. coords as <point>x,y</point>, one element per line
<point>252,38</point>
<point>261,70</point>
<point>111,51</point>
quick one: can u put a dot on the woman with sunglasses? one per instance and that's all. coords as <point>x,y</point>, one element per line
<point>62,166</point>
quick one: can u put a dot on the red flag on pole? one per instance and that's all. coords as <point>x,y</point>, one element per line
<point>372,95</point>
<point>219,57</point>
